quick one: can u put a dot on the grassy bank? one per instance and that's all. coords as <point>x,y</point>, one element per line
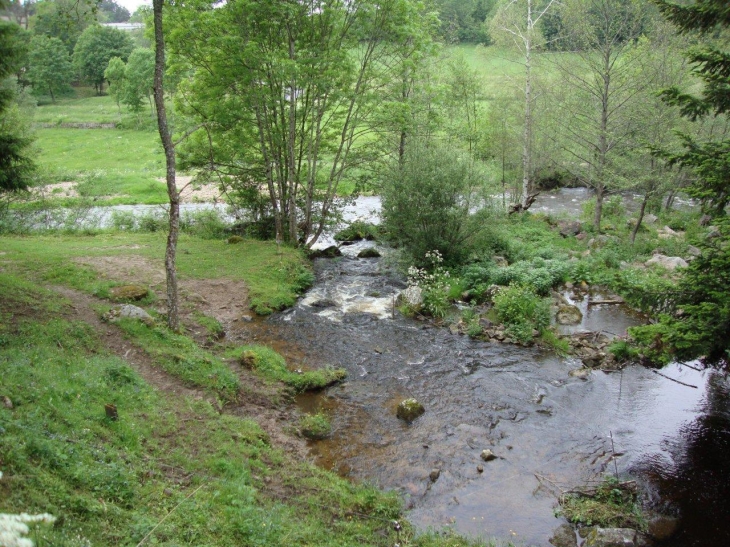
<point>184,459</point>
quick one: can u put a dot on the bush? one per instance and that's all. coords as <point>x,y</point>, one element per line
<point>428,201</point>
<point>315,426</point>
<point>206,224</point>
<point>522,311</point>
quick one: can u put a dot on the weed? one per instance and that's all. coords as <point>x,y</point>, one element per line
<point>315,426</point>
<point>612,504</point>
<point>522,311</point>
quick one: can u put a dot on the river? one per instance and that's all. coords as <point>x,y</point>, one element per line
<point>550,431</point>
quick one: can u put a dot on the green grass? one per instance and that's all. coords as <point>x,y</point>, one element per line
<point>80,109</point>
<point>272,366</point>
<point>273,275</point>
<point>170,470</point>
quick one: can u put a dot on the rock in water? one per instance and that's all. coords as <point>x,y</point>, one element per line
<point>564,536</point>
<point>370,252</point>
<point>129,292</point>
<point>409,410</point>
<point>611,537</point>
<point>569,315</point>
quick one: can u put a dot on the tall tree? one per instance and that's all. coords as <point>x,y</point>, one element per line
<point>63,19</point>
<point>16,166</point>
<point>51,70</point>
<point>710,159</point>
<point>285,93</point>
<point>173,317</point>
<point>93,50</point>
<point>520,21</point>
<point>602,81</point>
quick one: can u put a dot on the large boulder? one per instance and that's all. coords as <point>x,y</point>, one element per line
<point>332,251</point>
<point>409,410</point>
<point>569,228</point>
<point>129,292</point>
<point>668,262</point>
<point>128,311</point>
<point>369,252</point>
<point>611,537</point>
<point>568,315</point>
<point>411,296</point>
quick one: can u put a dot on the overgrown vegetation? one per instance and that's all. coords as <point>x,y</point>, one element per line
<point>611,504</point>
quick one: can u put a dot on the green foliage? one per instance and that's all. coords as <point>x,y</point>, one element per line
<point>427,201</point>
<point>538,273</point>
<point>315,426</point>
<point>16,167</point>
<point>93,50</point>
<point>50,66</point>
<point>271,365</point>
<point>357,231</point>
<point>181,357</point>
<point>138,79</point>
<point>622,351</point>
<point>610,505</point>
<point>522,311</point>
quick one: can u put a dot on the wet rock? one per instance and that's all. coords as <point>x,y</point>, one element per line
<point>662,526</point>
<point>330,252</point>
<point>370,252</point>
<point>611,537</point>
<point>568,315</point>
<point>668,262</point>
<point>564,536</point>
<point>412,296</point>
<point>129,292</point>
<point>409,410</point>
<point>434,474</point>
<point>324,303</point>
<point>592,358</point>
<point>128,311</point>
<point>7,403</point>
<point>569,228</point>
<point>500,261</point>
<point>487,455</point>
<point>582,373</point>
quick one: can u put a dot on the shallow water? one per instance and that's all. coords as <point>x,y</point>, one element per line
<point>550,431</point>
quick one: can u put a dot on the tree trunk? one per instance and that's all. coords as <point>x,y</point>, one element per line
<point>291,167</point>
<point>173,319</point>
<point>527,135</point>
<point>641,218</point>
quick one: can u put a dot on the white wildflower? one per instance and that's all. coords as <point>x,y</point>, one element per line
<point>14,527</point>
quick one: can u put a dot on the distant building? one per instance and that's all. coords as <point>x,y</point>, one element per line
<point>124,26</point>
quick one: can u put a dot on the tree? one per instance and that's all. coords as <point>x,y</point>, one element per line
<point>286,93</point>
<point>113,12</point>
<point>114,74</point>
<point>173,318</point>
<point>519,19</point>
<point>50,66</point>
<point>709,159</point>
<point>63,19</point>
<point>16,166</point>
<point>601,84</point>
<point>428,199</point>
<point>139,78</point>
<point>93,50</point>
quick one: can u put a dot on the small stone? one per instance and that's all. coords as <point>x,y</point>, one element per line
<point>7,403</point>
<point>487,455</point>
<point>167,491</point>
<point>564,536</point>
<point>581,373</point>
<point>409,410</point>
<point>694,251</point>
<point>111,412</point>
<point>611,537</point>
<point>434,474</point>
<point>480,468</point>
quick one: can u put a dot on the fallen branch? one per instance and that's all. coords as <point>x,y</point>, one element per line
<point>672,379</point>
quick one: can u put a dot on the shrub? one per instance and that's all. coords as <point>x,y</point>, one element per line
<point>315,426</point>
<point>522,311</point>
<point>428,200</point>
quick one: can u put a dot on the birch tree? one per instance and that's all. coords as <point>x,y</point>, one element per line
<point>517,22</point>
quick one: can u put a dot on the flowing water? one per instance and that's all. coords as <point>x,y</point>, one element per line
<point>548,429</point>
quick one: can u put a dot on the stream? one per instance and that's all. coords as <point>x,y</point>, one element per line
<point>549,431</point>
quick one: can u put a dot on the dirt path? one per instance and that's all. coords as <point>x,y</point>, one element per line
<point>258,401</point>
